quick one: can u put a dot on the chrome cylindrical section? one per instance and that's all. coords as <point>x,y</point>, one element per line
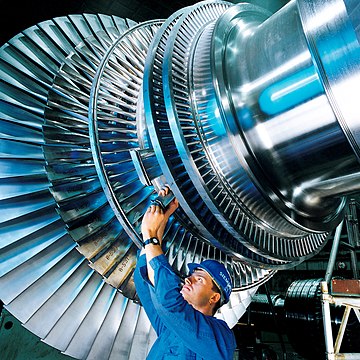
<point>282,119</point>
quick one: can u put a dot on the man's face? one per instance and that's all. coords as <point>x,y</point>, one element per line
<point>198,289</point>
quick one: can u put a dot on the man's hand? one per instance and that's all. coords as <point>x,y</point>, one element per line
<point>155,218</point>
<point>153,225</point>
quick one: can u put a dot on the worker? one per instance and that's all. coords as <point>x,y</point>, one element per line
<point>181,314</point>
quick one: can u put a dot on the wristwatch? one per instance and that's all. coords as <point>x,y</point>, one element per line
<point>152,240</point>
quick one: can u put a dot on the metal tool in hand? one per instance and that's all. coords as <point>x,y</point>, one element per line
<point>164,201</point>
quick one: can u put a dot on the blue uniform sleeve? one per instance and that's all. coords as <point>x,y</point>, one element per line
<point>207,336</point>
<point>143,287</point>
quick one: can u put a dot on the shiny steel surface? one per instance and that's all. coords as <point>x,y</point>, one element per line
<point>339,67</point>
<point>290,149</point>
<point>45,282</point>
<point>174,137</point>
<point>112,126</point>
<point>292,172</point>
<point>251,118</point>
<point>106,224</point>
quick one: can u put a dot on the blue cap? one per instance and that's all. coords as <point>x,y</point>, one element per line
<point>219,275</point>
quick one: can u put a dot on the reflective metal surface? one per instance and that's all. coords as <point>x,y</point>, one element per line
<point>44,281</point>
<point>300,173</point>
<point>249,117</point>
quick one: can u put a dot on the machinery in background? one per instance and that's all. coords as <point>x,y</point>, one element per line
<point>309,314</point>
<point>298,316</point>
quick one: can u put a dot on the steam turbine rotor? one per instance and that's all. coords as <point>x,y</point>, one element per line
<point>251,118</point>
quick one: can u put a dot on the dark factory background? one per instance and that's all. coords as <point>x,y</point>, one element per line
<point>19,15</point>
<point>266,331</point>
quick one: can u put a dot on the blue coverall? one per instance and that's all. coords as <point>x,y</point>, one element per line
<point>183,332</point>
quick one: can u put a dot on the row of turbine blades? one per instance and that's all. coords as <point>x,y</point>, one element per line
<point>55,219</point>
<point>45,282</point>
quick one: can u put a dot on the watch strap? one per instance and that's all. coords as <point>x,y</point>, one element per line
<point>152,240</point>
